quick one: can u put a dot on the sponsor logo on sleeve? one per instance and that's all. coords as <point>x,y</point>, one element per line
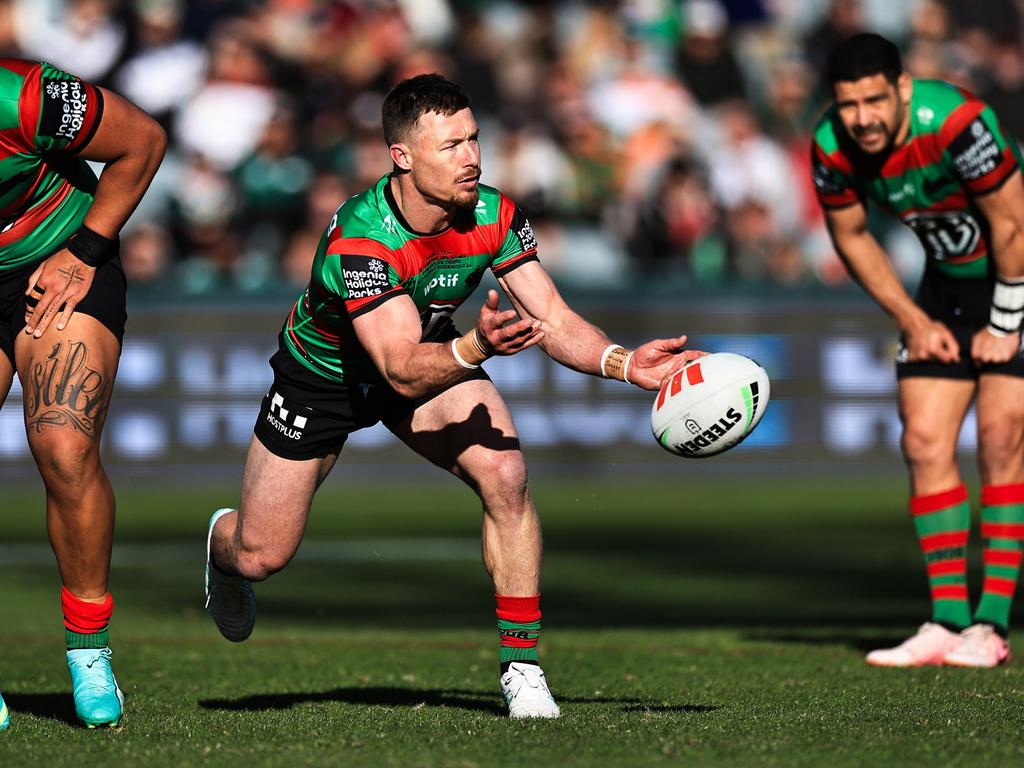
<point>521,226</point>
<point>64,106</point>
<point>825,181</point>
<point>975,152</point>
<point>364,276</point>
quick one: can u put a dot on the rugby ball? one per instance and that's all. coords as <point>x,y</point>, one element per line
<point>710,405</point>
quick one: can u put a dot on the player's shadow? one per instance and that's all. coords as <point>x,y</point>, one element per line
<point>861,642</point>
<point>474,701</point>
<point>443,446</point>
<point>53,706</point>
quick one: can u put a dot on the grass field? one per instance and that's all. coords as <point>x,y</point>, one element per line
<point>716,622</point>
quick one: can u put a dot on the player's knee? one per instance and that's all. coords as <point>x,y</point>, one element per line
<point>923,446</point>
<point>503,476</point>
<point>67,464</point>
<point>999,443</point>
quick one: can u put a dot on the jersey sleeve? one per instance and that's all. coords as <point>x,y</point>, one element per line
<point>832,179</point>
<point>978,148</point>
<point>57,111</point>
<point>362,274</point>
<point>519,245</point>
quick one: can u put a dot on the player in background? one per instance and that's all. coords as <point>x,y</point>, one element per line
<point>62,316</point>
<point>372,339</point>
<point>936,157</point>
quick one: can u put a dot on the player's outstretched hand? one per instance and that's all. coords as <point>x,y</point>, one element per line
<point>504,333</point>
<point>932,341</point>
<point>986,347</point>
<point>654,361</point>
<point>57,286</point>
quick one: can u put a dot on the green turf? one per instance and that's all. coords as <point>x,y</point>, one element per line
<point>712,623</point>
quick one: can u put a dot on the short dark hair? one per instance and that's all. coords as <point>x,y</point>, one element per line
<point>417,96</point>
<point>864,55</point>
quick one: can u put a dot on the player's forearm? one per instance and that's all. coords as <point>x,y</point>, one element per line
<point>576,344</point>
<point>869,266</point>
<point>125,179</point>
<point>426,369</point>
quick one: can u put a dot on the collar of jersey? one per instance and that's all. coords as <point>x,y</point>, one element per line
<point>389,198</point>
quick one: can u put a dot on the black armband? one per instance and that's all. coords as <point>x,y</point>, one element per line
<point>91,248</point>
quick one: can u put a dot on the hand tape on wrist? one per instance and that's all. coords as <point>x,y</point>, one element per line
<point>458,358</point>
<point>1007,310</point>
<point>469,351</point>
<point>613,362</point>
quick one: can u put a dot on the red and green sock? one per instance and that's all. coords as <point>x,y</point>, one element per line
<point>85,623</point>
<point>1002,527</point>
<point>942,521</point>
<point>518,629</point>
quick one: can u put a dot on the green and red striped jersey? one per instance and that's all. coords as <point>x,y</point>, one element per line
<point>46,116</point>
<point>369,254</point>
<point>955,150</point>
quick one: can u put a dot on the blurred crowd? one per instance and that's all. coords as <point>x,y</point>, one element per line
<point>649,141</point>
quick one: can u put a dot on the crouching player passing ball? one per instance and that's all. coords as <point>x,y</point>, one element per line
<point>371,340</point>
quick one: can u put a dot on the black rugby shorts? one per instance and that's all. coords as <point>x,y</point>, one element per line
<point>306,416</point>
<point>963,306</point>
<point>105,301</point>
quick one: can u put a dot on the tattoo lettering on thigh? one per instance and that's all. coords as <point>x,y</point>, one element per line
<point>63,391</point>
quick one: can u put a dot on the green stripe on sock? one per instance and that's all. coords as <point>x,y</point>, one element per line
<point>995,608</point>
<point>78,640</point>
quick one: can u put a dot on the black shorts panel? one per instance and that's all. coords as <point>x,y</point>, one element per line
<point>963,306</point>
<point>105,301</point>
<point>306,416</point>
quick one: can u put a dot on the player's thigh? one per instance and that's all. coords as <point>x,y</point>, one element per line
<point>276,497</point>
<point>932,410</point>
<point>468,430</point>
<point>6,377</point>
<point>67,378</point>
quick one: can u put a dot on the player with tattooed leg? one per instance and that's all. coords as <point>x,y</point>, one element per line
<point>62,317</point>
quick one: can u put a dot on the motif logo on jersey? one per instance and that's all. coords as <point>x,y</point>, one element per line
<point>283,420</point>
<point>364,276</point>
<point>946,235</point>
<point>64,107</point>
<point>975,151</point>
<point>825,181</point>
<point>389,224</point>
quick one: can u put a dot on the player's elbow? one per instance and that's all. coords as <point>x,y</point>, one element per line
<point>404,384</point>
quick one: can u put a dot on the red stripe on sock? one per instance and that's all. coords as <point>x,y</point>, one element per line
<point>992,495</point>
<point>997,586</point>
<point>1002,530</point>
<point>518,609</point>
<point>948,567</point>
<point>1010,557</point>
<point>949,592</point>
<point>943,541</point>
<point>84,617</point>
<point>517,642</point>
<point>922,505</point>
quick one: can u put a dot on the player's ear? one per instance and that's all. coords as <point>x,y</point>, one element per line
<point>401,156</point>
<point>905,87</point>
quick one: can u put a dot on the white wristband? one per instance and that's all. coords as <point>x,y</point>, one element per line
<point>604,357</point>
<point>625,367</point>
<point>1007,309</point>
<point>458,357</point>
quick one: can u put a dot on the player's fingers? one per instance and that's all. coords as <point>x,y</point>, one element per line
<point>492,299</point>
<point>33,280</point>
<point>42,305</point>
<point>65,315</point>
<point>45,317</point>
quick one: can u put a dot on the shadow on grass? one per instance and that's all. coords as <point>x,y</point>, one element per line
<point>53,706</point>
<point>475,701</point>
<point>863,641</point>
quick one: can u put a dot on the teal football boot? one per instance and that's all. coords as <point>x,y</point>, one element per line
<point>5,716</point>
<point>98,700</point>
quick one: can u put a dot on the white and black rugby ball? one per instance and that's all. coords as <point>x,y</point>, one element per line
<point>710,405</point>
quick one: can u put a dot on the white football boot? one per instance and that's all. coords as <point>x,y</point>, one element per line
<point>980,646</point>
<point>526,692</point>
<point>229,598</point>
<point>928,646</point>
